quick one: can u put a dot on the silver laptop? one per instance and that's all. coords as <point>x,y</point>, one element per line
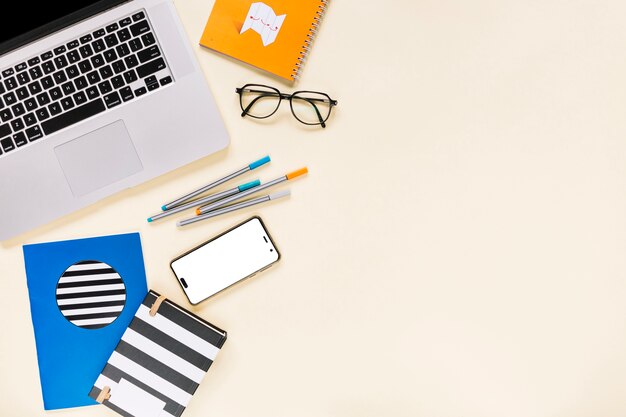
<point>95,97</point>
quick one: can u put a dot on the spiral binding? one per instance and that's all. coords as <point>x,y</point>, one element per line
<point>308,42</point>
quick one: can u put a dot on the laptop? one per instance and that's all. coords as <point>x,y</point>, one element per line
<point>95,97</point>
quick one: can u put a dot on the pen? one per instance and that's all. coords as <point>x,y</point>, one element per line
<point>203,200</point>
<point>214,184</point>
<point>234,207</point>
<point>220,203</point>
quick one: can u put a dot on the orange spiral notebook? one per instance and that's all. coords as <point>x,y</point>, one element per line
<point>274,35</point>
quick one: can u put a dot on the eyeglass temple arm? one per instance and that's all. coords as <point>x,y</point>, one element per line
<point>285,96</point>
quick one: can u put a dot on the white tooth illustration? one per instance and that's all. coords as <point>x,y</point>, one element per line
<point>262,19</point>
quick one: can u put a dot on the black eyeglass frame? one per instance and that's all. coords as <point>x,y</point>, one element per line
<point>281,97</point>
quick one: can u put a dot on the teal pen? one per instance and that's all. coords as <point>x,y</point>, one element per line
<point>234,207</point>
<point>214,184</point>
<point>203,200</point>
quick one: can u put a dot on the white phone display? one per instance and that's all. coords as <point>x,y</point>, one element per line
<point>224,260</point>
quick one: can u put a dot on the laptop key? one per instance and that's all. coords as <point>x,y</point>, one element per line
<point>67,103</point>
<point>35,72</point>
<point>1,103</point>
<point>30,119</point>
<point>98,45</point>
<point>85,66</point>
<point>10,83</point>
<point>68,88</point>
<point>97,61</point>
<point>21,66</point>
<point>22,93</point>
<point>72,71</point>
<point>140,28</point>
<point>112,27</point>
<point>138,16</point>
<point>150,67</point>
<point>6,115</point>
<point>73,116</point>
<point>17,124</point>
<point>99,33</point>
<point>148,54</point>
<point>126,93</point>
<point>55,108</point>
<point>80,98</point>
<point>73,44</point>
<point>86,38</point>
<point>148,39</point>
<point>47,82</point>
<point>118,66</point>
<point>117,82</point>
<point>60,61</point>
<point>7,144</point>
<point>106,72</point>
<point>7,72</point>
<point>55,93</point>
<point>34,87</point>
<point>20,139</point>
<point>10,99</point>
<point>5,130</point>
<point>122,50</point>
<point>112,100</point>
<point>135,44</point>
<point>151,80</point>
<point>125,22</point>
<point>34,61</point>
<point>105,87</point>
<point>30,104</point>
<point>23,78</point>
<point>73,56</point>
<point>18,109</point>
<point>48,67</point>
<point>86,51</point>
<point>59,77</point>
<point>152,87</point>
<point>46,55</point>
<point>131,61</point>
<point>140,91</point>
<point>34,133</point>
<point>111,40</point>
<point>43,99</point>
<point>130,76</point>
<point>165,80</point>
<point>93,77</point>
<point>42,114</point>
<point>81,82</point>
<point>92,92</point>
<point>109,55</point>
<point>2,89</point>
<point>59,50</point>
<point>123,35</point>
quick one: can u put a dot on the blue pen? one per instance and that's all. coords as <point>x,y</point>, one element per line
<point>214,184</point>
<point>203,200</point>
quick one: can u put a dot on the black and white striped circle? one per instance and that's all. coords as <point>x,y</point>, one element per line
<point>91,294</point>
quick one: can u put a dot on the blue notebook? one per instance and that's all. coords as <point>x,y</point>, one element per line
<point>83,295</point>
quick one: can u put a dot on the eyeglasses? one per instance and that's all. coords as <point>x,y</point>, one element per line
<point>308,107</point>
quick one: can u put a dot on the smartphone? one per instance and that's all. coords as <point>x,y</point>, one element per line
<point>234,255</point>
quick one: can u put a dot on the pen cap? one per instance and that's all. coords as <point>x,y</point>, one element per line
<point>297,173</point>
<point>260,162</point>
<point>250,184</point>
<point>279,194</point>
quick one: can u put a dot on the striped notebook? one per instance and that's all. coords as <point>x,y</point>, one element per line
<point>160,361</point>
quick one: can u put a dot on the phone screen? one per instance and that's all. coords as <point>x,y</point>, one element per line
<point>230,257</point>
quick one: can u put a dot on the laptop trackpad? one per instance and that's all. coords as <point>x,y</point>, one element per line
<point>98,158</point>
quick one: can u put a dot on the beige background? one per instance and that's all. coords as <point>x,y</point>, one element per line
<point>458,247</point>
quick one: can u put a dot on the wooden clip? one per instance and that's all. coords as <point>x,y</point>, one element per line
<point>105,394</point>
<point>156,305</point>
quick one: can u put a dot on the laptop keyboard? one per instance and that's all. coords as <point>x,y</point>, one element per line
<point>116,63</point>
